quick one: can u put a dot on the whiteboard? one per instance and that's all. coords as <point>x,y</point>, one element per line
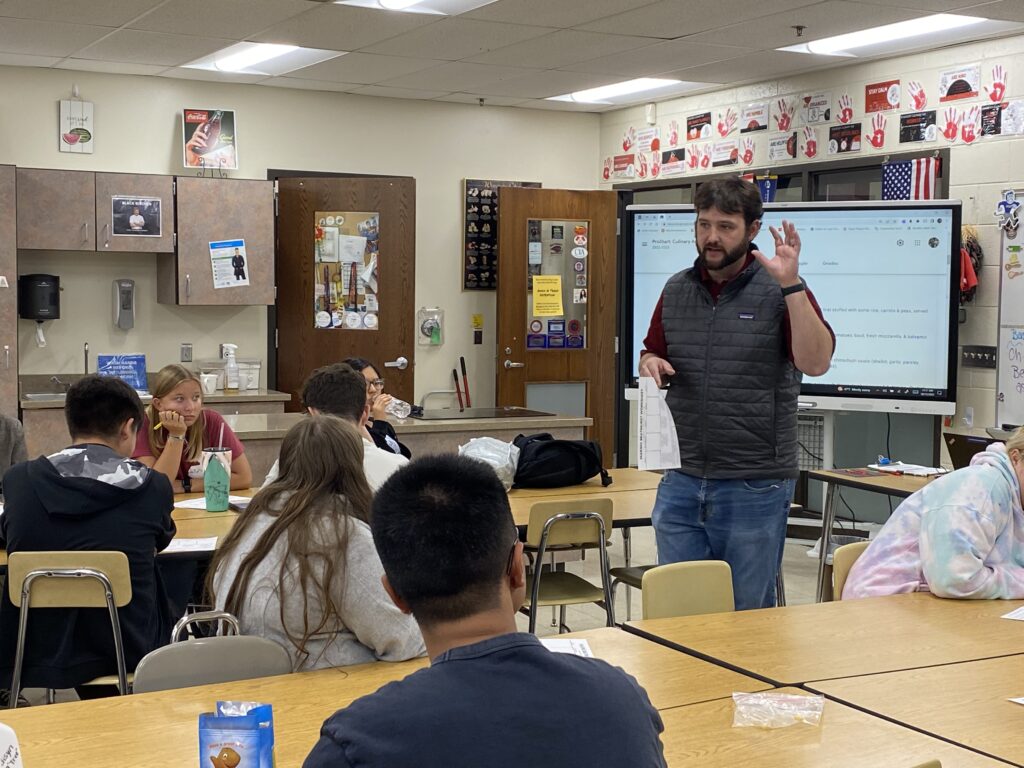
<point>1010,351</point>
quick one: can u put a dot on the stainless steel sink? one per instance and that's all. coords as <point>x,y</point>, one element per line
<point>46,396</point>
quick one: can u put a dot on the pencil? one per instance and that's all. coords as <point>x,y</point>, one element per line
<point>158,425</point>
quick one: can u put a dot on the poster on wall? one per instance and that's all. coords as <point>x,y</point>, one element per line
<point>76,127</point>
<point>135,216</point>
<point>844,138</point>
<point>725,153</point>
<point>962,83</point>
<point>230,269</point>
<point>624,166</point>
<point>480,231</point>
<point>346,278</point>
<point>782,147</point>
<point>1005,119</point>
<point>918,126</point>
<point>881,97</point>
<point>209,139</point>
<point>648,140</point>
<point>698,126</point>
<point>816,108</point>
<point>754,117</point>
<point>673,162</point>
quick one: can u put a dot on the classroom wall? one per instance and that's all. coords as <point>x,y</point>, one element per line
<point>138,130</point>
<point>978,172</point>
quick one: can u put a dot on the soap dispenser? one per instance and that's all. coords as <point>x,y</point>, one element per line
<point>230,368</point>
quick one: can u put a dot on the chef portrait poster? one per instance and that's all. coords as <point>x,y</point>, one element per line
<point>209,138</point>
<point>962,83</point>
<point>135,216</point>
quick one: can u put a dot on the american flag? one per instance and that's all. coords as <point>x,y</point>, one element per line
<point>910,179</point>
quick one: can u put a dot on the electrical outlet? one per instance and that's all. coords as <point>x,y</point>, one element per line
<point>978,357</point>
<point>186,352</point>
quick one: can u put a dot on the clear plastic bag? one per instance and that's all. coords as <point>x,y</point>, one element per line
<point>503,457</point>
<point>776,710</point>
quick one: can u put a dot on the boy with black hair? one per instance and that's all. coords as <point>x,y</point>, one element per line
<point>339,390</point>
<point>452,557</point>
<point>90,497</point>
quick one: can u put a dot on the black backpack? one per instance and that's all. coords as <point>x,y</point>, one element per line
<point>545,462</point>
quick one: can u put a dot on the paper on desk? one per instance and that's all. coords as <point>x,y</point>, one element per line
<point>200,503</point>
<point>657,443</point>
<point>207,544</point>
<point>1018,701</point>
<point>568,645</point>
<point>1016,615</point>
<point>914,470</point>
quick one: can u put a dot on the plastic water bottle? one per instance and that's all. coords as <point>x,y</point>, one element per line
<point>398,408</point>
<point>216,478</point>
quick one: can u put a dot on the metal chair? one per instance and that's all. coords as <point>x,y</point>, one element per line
<point>208,660</point>
<point>688,589</point>
<point>227,623</point>
<point>842,561</point>
<point>68,580</point>
<point>567,525</point>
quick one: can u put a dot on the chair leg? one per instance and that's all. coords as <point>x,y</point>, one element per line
<point>51,696</point>
<point>629,601</point>
<point>561,619</point>
<point>780,589</point>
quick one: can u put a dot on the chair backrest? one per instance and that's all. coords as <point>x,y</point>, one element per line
<point>929,764</point>
<point>210,660</point>
<point>687,589</point>
<point>57,578</point>
<point>842,561</point>
<point>224,623</point>
<point>569,532</point>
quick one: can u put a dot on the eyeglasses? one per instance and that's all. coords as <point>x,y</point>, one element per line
<point>376,384</point>
<point>512,553</point>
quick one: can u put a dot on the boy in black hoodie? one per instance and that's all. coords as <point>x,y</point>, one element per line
<point>89,496</point>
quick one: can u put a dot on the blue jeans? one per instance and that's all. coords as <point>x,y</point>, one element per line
<point>740,521</point>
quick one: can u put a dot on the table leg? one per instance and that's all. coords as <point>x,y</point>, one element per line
<point>627,554</point>
<point>828,518</point>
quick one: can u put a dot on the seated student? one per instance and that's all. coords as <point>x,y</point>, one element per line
<point>177,428</point>
<point>89,496</point>
<point>962,535</point>
<point>337,390</point>
<point>381,431</point>
<point>492,696</point>
<point>12,443</point>
<point>299,566</point>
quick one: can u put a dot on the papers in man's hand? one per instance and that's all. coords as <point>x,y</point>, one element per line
<point>1016,615</point>
<point>568,645</point>
<point>200,503</point>
<point>179,544</point>
<point>657,443</point>
<point>914,470</point>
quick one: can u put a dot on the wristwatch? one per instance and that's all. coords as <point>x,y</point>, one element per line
<point>186,484</point>
<point>794,289</point>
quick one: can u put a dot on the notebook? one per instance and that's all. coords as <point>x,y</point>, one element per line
<point>963,447</point>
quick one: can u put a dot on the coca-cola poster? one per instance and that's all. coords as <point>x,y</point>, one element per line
<point>209,138</point>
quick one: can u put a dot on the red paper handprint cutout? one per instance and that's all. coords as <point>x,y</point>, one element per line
<point>877,139</point>
<point>917,93</point>
<point>845,108</point>
<point>747,154</point>
<point>673,134</point>
<point>998,84</point>
<point>784,116</point>
<point>727,122</point>
<point>655,165</point>
<point>810,142</point>
<point>607,172</point>
<point>953,117</point>
<point>972,127</point>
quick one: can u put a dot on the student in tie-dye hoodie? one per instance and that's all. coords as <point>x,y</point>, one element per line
<point>961,535</point>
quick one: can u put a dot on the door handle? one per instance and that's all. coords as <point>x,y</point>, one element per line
<point>509,364</point>
<point>7,356</point>
<point>401,364</point>
<point>188,286</point>
<point>85,231</point>
<point>106,235</point>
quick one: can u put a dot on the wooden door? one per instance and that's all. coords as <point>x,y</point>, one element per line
<point>157,234</point>
<point>219,210</point>
<point>303,297</point>
<point>528,232</point>
<point>56,209</point>
<point>8,295</point>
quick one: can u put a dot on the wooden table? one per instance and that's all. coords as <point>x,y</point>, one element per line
<point>890,484</point>
<point>623,479</point>
<point>965,703</point>
<point>702,736</point>
<point>159,730</point>
<point>800,643</point>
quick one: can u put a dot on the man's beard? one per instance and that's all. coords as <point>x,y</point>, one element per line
<point>731,257</point>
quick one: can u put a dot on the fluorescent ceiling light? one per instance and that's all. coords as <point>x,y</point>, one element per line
<point>841,45</point>
<point>430,7</point>
<point>606,93</point>
<point>262,59</point>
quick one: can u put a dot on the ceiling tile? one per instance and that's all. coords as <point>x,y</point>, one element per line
<point>1004,10</point>
<point>342,27</point>
<point>822,20</point>
<point>457,38</point>
<point>567,106</point>
<point>761,65</point>
<point>113,67</point>
<point>670,19</point>
<point>552,82</point>
<point>552,13</point>
<point>104,13</point>
<point>655,59</point>
<point>46,38</point>
<point>397,93</point>
<point>220,18</point>
<point>152,47</point>
<point>935,6</point>
<point>561,48</point>
<point>310,85</point>
<point>186,73</point>
<point>27,60</point>
<point>489,101</point>
<point>458,76</point>
<point>364,68</point>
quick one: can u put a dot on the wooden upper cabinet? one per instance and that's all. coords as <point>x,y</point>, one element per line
<point>56,209</point>
<point>8,295</point>
<point>151,229</point>
<point>219,210</point>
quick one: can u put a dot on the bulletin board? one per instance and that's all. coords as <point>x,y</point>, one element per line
<point>1010,351</point>
<point>480,232</point>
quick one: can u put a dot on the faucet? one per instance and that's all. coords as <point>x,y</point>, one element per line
<point>423,400</point>
<point>85,349</point>
<point>56,380</point>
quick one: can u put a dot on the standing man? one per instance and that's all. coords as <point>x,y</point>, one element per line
<point>732,336</point>
<point>238,262</point>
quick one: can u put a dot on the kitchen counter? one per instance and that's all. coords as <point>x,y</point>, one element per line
<point>219,398</point>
